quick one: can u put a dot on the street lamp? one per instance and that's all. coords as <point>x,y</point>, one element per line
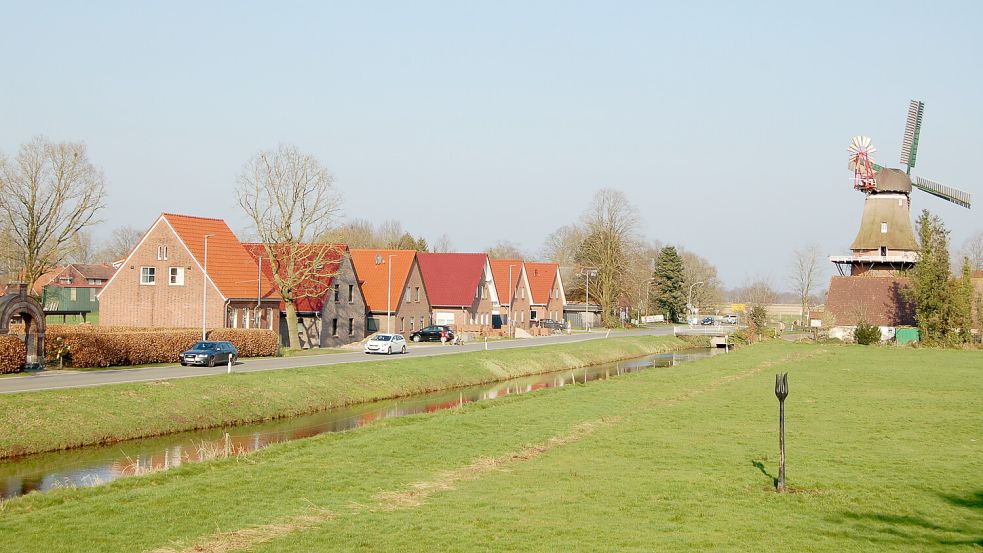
<point>389,289</point>
<point>587,272</point>
<point>204,288</point>
<point>511,304</point>
<point>689,300</point>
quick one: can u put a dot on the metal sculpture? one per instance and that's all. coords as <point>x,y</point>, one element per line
<point>781,392</point>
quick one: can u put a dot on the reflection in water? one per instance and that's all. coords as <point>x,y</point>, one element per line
<point>91,466</point>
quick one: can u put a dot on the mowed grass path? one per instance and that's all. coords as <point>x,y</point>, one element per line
<point>885,453</point>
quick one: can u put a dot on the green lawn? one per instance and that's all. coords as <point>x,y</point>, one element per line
<point>885,453</point>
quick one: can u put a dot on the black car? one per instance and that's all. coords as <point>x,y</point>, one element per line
<point>210,353</point>
<point>433,333</point>
<point>707,321</point>
<point>551,324</point>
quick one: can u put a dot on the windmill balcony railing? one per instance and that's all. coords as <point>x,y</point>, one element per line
<point>903,257</point>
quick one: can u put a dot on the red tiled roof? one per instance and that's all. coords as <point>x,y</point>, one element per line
<point>541,277</point>
<point>879,301</point>
<point>451,278</point>
<point>230,266</point>
<point>374,277</point>
<point>500,272</point>
<point>309,294</point>
<point>100,272</point>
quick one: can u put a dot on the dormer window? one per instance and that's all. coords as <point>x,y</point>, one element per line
<point>162,253</point>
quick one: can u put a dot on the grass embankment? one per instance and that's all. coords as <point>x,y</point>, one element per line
<point>884,453</point>
<point>43,421</point>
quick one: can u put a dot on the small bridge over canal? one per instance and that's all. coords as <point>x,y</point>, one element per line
<point>719,334</point>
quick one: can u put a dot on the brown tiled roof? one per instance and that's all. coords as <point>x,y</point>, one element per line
<point>230,266</point>
<point>541,278</point>
<point>500,272</point>
<point>877,300</point>
<point>101,271</point>
<point>382,288</point>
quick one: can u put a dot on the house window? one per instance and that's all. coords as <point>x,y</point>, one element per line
<point>162,253</point>
<point>417,294</point>
<point>351,326</point>
<point>883,251</point>
<point>408,297</point>
<point>334,327</point>
<point>883,227</point>
<point>73,294</point>
<point>351,293</point>
<point>148,275</point>
<point>245,318</point>
<point>412,326</point>
<point>337,295</point>
<point>402,321</point>
<point>176,276</point>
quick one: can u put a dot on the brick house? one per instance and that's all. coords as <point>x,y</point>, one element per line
<point>72,289</point>
<point>395,297</point>
<point>513,295</point>
<point>162,282</point>
<point>329,302</point>
<point>461,289</point>
<point>546,286</point>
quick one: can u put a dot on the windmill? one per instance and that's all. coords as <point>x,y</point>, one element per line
<point>886,242</point>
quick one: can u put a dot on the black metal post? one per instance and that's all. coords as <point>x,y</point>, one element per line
<point>781,392</point>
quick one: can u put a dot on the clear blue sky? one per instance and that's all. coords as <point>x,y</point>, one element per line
<point>727,125</point>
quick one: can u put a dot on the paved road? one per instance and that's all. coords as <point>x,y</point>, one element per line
<point>55,379</point>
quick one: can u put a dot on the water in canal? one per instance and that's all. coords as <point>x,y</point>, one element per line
<point>90,466</point>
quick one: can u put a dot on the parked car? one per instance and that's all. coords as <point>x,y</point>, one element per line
<point>386,343</point>
<point>433,333</point>
<point>729,319</point>
<point>707,321</point>
<point>210,353</point>
<point>551,324</point>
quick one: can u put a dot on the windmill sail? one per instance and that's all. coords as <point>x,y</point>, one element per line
<point>912,128</point>
<point>954,195</point>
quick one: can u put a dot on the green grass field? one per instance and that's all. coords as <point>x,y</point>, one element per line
<point>885,453</point>
<point>33,422</point>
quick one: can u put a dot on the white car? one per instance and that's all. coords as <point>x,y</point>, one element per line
<point>386,343</point>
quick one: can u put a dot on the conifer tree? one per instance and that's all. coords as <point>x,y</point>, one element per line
<point>669,280</point>
<point>931,291</point>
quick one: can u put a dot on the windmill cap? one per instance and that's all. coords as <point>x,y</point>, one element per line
<point>892,180</point>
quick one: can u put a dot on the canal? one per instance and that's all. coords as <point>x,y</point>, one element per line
<point>91,466</point>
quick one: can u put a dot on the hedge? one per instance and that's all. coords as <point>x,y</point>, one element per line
<point>95,346</point>
<point>12,354</point>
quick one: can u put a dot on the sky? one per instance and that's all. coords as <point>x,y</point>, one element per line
<point>726,125</point>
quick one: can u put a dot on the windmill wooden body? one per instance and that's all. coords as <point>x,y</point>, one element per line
<point>885,243</point>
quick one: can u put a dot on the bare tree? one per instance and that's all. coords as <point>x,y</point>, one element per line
<point>697,269</point>
<point>504,249</point>
<point>561,247</point>
<point>291,199</point>
<point>389,234</point>
<point>357,233</point>
<point>81,248</point>
<point>757,293</point>
<point>48,193</point>
<point>442,244</point>
<point>805,274</point>
<point>119,244</point>
<point>973,249</point>
<point>611,227</point>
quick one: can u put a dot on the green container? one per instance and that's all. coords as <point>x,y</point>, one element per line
<point>906,335</point>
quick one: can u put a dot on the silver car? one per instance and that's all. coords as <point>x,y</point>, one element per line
<point>386,343</point>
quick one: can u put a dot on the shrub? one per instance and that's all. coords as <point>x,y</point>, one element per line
<point>866,333</point>
<point>251,342</point>
<point>12,354</point>
<point>93,346</point>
